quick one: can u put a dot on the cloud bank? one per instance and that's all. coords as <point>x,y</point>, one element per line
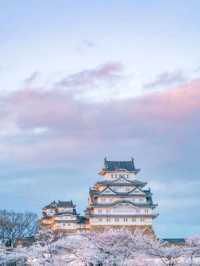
<point>65,125</point>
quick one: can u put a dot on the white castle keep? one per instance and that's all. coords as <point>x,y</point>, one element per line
<point>118,200</point>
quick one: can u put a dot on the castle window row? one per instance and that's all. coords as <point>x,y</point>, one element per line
<point>109,200</point>
<point>118,175</point>
<point>107,211</point>
<point>122,220</point>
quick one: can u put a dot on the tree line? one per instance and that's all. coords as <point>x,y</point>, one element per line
<point>109,248</point>
<point>16,225</point>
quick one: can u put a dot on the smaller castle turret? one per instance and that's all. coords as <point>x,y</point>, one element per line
<point>60,216</point>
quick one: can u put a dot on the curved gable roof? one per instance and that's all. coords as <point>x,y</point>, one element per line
<point>117,182</point>
<point>121,193</point>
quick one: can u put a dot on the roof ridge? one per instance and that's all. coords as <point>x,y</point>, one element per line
<point>116,165</point>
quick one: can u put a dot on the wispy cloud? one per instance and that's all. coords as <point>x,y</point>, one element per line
<point>167,78</point>
<point>32,78</point>
<point>90,77</point>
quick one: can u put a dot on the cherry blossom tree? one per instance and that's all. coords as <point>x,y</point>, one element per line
<point>112,247</point>
<point>169,255</point>
<point>193,242</point>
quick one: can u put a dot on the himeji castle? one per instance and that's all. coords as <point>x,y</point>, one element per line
<point>118,200</point>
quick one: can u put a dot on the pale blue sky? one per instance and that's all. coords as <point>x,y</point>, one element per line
<point>50,36</point>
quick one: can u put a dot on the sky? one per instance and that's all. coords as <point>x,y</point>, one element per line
<point>81,80</point>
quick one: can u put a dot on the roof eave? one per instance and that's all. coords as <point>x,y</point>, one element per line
<point>105,171</point>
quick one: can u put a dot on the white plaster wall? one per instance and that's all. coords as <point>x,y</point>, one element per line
<point>115,175</point>
<point>65,209</point>
<point>121,221</point>
<point>66,218</point>
<point>123,210</point>
<point>110,199</point>
<point>66,226</point>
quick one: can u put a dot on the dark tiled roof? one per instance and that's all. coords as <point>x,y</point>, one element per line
<point>129,183</point>
<point>67,221</point>
<point>51,205</point>
<point>64,204</point>
<point>112,192</point>
<point>148,191</point>
<point>73,212</point>
<point>147,204</point>
<point>120,165</point>
<point>82,219</point>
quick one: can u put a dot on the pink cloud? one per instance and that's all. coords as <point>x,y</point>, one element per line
<point>167,78</point>
<point>77,128</point>
<point>88,77</point>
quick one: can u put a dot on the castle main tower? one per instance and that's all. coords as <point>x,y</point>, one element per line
<point>120,199</point>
